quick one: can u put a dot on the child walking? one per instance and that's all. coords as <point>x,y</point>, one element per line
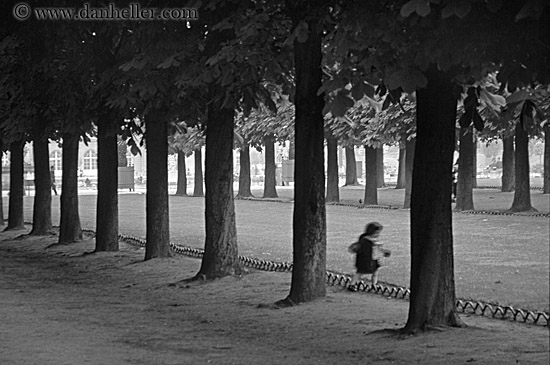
<point>368,253</point>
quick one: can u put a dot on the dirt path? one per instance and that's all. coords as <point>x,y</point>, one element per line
<point>59,306</point>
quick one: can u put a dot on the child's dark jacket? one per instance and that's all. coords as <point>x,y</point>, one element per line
<point>364,261</point>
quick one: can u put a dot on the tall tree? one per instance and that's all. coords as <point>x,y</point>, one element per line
<point>70,229</point>
<point>401,174</point>
<point>309,217</point>
<point>380,167</point>
<point>244,171</point>
<point>508,173</point>
<point>333,192</point>
<point>106,42</point>
<point>351,167</point>
<point>15,213</point>
<point>270,168</point>
<point>409,164</point>
<point>525,106</point>
<point>42,211</point>
<point>181,189</point>
<point>464,196</point>
<point>199,180</point>
<point>432,268</point>
<point>158,225</point>
<point>371,176</point>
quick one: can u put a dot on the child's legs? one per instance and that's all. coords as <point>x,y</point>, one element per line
<point>355,279</point>
<point>375,277</point>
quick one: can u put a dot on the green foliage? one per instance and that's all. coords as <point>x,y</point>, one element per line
<point>186,140</point>
<point>263,122</point>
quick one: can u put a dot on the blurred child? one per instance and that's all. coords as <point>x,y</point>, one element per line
<point>368,254</point>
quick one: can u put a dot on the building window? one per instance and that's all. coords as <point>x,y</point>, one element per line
<point>55,159</point>
<point>90,160</point>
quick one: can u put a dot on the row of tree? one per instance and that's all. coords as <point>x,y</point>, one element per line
<point>66,80</point>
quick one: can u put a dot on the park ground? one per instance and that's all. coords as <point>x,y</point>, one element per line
<point>61,305</point>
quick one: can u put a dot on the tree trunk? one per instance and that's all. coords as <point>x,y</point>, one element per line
<point>106,238</point>
<point>464,194</point>
<point>309,218</point>
<point>401,171</point>
<point>409,164</point>
<point>220,250</point>
<point>508,163</point>
<point>70,229</point>
<point>244,172</point>
<point>522,193</point>
<point>546,176</point>
<point>158,218</point>
<point>380,168</point>
<point>474,167</point>
<point>182,175</point>
<point>432,298</point>
<point>269,182</point>
<point>371,176</point>
<point>198,190</point>
<point>42,209</point>
<point>15,209</point>
<point>292,149</point>
<point>333,193</point>
<point>351,167</point>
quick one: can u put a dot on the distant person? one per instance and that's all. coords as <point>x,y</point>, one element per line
<point>52,179</point>
<point>368,254</point>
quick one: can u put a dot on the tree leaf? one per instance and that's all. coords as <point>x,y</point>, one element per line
<point>421,7</point>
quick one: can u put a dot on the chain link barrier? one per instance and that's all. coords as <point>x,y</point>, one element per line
<point>387,290</point>
<point>339,279</point>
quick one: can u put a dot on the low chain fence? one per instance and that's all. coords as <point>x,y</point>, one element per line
<point>498,187</point>
<point>387,290</point>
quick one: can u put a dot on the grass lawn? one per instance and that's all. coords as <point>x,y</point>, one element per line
<point>500,259</point>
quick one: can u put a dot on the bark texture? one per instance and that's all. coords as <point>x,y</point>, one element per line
<point>42,209</point>
<point>220,249</point>
<point>522,193</point>
<point>199,180</point>
<point>401,178</point>
<point>333,192</point>
<point>432,298</point>
<point>371,176</point>
<point>464,195</point>
<point>244,172</point>
<point>351,167</point>
<point>508,179</point>
<point>158,219</point>
<point>380,168</point>
<point>181,189</point>
<point>546,175</point>
<point>270,191</point>
<point>409,164</point>
<point>474,169</point>
<point>70,229</point>
<point>15,201</point>
<point>309,217</point>
<point>106,238</point>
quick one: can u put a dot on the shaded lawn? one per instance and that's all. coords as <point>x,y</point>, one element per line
<point>499,259</point>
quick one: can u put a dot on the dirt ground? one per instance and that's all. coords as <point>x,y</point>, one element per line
<point>60,305</point>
